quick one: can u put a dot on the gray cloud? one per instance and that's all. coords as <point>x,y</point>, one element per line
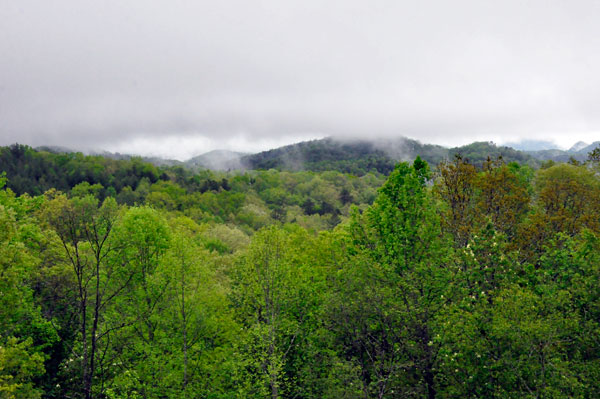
<point>179,77</point>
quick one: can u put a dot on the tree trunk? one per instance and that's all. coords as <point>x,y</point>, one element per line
<point>185,343</point>
<point>429,381</point>
<point>90,377</point>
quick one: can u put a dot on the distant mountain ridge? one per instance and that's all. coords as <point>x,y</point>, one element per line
<point>579,151</point>
<point>359,156</point>
<point>532,145</point>
<point>362,156</point>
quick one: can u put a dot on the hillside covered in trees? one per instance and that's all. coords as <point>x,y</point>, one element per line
<point>474,277</point>
<point>380,155</point>
<point>354,156</point>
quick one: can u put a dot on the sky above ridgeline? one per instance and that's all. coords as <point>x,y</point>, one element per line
<point>177,78</point>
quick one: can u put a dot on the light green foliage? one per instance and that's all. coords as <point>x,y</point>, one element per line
<point>232,238</point>
<point>141,239</point>
<point>85,188</point>
<point>21,361</point>
<point>480,283</point>
<point>177,341</point>
<point>275,294</point>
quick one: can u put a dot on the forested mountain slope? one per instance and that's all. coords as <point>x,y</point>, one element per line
<point>250,199</point>
<point>35,171</point>
<point>156,161</point>
<point>362,156</point>
<point>355,156</point>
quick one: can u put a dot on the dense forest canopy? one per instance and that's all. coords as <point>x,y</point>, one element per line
<point>469,278</point>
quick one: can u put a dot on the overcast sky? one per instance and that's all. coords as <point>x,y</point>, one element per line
<point>178,78</point>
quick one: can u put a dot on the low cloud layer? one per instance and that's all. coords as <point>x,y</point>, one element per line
<point>178,78</point>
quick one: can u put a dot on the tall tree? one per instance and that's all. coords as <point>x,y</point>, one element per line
<point>199,327</point>
<point>567,200</point>
<point>503,197</point>
<point>387,316</point>
<point>84,228</point>
<point>456,187</point>
<point>274,300</point>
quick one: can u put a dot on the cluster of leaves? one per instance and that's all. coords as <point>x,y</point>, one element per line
<point>462,282</point>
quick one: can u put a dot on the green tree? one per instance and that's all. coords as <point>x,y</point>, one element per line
<point>394,288</point>
<point>84,229</point>
<point>24,333</point>
<point>567,201</point>
<point>456,186</point>
<point>141,240</point>
<point>275,294</point>
<point>199,324</point>
<point>503,197</point>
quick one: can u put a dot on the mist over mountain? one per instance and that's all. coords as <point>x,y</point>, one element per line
<point>580,145</point>
<point>532,145</point>
<point>579,151</point>
<point>217,160</point>
<point>359,156</point>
